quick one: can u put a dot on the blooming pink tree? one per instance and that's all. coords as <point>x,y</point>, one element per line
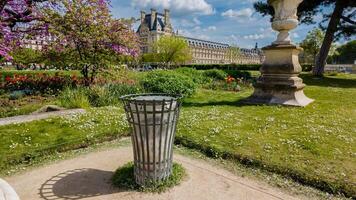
<point>86,30</point>
<point>19,18</point>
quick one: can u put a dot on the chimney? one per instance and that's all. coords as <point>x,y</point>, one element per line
<point>166,17</point>
<point>153,17</point>
<point>143,15</point>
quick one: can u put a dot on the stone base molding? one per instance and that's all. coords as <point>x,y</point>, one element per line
<point>279,82</point>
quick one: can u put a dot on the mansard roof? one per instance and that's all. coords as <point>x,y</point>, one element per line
<point>200,42</point>
<point>157,23</point>
<point>211,44</point>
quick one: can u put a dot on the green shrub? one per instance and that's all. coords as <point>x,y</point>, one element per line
<point>40,81</point>
<point>168,82</point>
<point>307,67</point>
<point>12,73</point>
<point>195,75</point>
<point>110,94</point>
<point>96,96</point>
<point>239,74</point>
<point>250,67</point>
<point>16,95</point>
<point>253,67</point>
<point>117,90</point>
<point>74,98</point>
<point>215,74</point>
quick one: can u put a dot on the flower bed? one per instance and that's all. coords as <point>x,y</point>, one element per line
<point>41,82</point>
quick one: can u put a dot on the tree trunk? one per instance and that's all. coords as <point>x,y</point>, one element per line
<point>2,5</point>
<point>85,73</point>
<point>320,63</point>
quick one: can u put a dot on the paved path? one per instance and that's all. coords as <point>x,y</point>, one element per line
<point>33,117</point>
<point>88,177</point>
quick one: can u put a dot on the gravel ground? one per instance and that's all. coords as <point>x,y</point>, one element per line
<point>39,116</point>
<point>88,177</point>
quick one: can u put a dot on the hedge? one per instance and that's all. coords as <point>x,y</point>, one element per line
<point>252,67</point>
<point>11,73</point>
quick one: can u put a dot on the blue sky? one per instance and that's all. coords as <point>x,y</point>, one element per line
<point>228,21</point>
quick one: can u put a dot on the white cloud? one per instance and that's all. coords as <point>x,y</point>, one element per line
<point>196,32</point>
<point>234,37</point>
<point>177,6</point>
<point>197,28</point>
<point>212,28</point>
<point>254,36</point>
<point>295,35</point>
<point>264,34</point>
<point>188,22</point>
<point>249,1</point>
<point>196,21</point>
<point>203,37</point>
<point>238,14</point>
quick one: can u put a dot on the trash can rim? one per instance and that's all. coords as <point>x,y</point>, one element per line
<point>170,97</point>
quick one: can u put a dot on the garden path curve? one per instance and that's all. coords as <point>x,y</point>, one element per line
<point>88,177</point>
<point>39,116</point>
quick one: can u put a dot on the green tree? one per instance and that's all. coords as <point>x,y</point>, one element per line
<point>233,53</point>
<point>26,56</point>
<point>58,59</point>
<point>86,31</point>
<point>170,50</point>
<point>341,22</point>
<point>346,54</point>
<point>312,43</point>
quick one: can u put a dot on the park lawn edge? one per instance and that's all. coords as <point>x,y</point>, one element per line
<point>292,187</point>
<point>81,138</point>
<point>337,188</point>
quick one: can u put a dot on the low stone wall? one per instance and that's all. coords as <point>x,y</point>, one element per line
<point>347,68</point>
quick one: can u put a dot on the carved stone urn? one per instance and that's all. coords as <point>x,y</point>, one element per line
<point>285,18</point>
<point>279,82</point>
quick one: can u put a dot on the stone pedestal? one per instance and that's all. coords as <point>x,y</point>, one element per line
<point>279,82</point>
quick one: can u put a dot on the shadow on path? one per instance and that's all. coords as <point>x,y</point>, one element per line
<point>78,184</point>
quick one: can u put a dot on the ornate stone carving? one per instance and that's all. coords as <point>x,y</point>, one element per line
<point>285,18</point>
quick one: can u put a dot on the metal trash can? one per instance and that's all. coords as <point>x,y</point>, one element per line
<point>153,118</point>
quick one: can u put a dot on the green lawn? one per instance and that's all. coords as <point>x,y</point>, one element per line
<point>23,142</point>
<point>315,145</point>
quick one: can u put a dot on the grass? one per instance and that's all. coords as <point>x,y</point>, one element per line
<point>23,106</point>
<point>21,143</point>
<point>287,184</point>
<point>74,98</point>
<point>313,145</point>
<point>124,179</point>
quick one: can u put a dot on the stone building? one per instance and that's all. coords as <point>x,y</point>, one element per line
<point>38,42</point>
<point>154,25</point>
<point>207,52</point>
